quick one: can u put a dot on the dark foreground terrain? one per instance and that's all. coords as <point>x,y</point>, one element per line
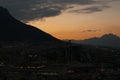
<point>65,62</point>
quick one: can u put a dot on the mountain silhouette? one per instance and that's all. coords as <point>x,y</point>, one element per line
<point>108,40</point>
<point>12,29</point>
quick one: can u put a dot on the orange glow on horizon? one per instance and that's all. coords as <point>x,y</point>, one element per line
<point>76,34</point>
<point>81,26</point>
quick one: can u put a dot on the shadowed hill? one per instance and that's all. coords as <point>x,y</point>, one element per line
<point>13,30</point>
<point>18,41</point>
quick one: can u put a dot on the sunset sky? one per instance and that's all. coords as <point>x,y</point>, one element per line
<point>68,19</point>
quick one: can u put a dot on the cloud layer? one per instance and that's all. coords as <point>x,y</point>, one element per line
<point>27,10</point>
<point>91,9</point>
<point>91,30</point>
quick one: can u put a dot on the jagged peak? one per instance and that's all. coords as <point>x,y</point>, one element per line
<point>110,35</point>
<point>5,16</point>
<point>3,11</point>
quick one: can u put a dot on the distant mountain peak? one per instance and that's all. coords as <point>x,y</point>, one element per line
<point>110,36</point>
<point>108,40</point>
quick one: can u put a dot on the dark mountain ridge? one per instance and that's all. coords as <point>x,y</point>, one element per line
<point>18,41</point>
<point>12,29</point>
<point>107,40</point>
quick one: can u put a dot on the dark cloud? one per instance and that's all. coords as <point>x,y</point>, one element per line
<point>91,30</point>
<point>91,9</point>
<point>36,9</point>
